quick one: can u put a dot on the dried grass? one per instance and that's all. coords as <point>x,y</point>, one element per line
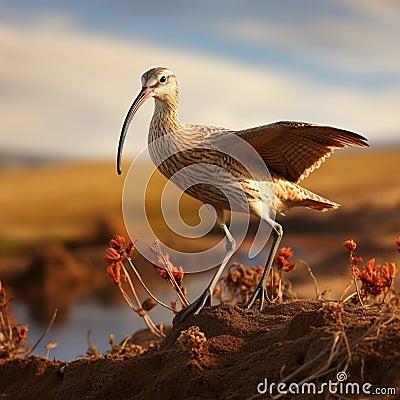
<point>12,335</point>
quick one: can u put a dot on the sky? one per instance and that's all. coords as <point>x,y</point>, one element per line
<point>69,70</point>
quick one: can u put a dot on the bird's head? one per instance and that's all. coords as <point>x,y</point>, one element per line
<point>159,83</point>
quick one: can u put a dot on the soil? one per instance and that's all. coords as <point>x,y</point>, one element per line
<point>297,341</point>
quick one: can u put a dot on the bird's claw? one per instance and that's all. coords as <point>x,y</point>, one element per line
<point>259,293</point>
<point>195,307</point>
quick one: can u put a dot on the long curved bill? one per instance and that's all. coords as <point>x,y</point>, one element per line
<point>143,95</point>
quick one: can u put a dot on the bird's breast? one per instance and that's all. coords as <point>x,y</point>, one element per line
<point>210,176</point>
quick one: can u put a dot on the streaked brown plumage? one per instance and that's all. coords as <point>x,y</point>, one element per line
<point>290,150</point>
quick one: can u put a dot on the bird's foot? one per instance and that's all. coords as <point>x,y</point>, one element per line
<point>195,307</point>
<point>260,294</point>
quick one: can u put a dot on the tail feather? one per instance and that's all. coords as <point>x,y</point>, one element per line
<point>319,205</point>
<point>293,195</point>
<point>316,202</point>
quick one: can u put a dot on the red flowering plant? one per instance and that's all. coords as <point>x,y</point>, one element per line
<point>116,254</point>
<point>282,263</point>
<point>376,279</point>
<point>118,258</point>
<point>282,260</point>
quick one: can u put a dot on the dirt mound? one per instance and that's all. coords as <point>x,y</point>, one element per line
<point>295,342</point>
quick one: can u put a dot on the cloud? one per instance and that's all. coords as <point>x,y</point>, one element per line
<point>362,39</point>
<point>384,10</point>
<point>65,91</point>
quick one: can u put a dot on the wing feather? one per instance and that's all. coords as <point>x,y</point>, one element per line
<point>295,149</point>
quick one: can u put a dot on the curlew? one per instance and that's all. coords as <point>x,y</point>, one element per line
<point>289,149</point>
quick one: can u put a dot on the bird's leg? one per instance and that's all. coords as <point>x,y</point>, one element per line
<point>205,298</point>
<point>261,290</point>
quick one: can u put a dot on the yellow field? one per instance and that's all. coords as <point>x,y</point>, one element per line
<point>56,200</point>
<point>62,201</point>
<point>352,178</point>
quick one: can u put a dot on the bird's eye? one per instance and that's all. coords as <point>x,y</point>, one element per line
<point>163,79</point>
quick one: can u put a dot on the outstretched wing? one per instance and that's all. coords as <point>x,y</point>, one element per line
<point>294,149</point>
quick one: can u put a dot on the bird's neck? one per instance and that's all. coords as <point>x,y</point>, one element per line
<point>165,118</point>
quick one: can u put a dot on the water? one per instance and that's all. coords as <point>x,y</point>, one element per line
<point>71,336</point>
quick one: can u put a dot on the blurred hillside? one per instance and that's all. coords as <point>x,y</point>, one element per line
<point>70,201</point>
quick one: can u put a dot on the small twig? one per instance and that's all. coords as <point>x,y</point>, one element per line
<point>49,346</point>
<point>183,299</point>
<point>345,290</point>
<point>304,366</point>
<point>150,324</point>
<point>124,343</point>
<point>357,289</point>
<point>153,328</point>
<point>5,325</point>
<point>347,343</point>
<point>91,349</point>
<point>349,297</point>
<point>316,287</point>
<point>272,299</point>
<point>144,285</point>
<point>362,369</point>
<point>5,321</point>
<point>126,296</point>
<point>387,292</point>
<point>280,294</point>
<point>44,334</point>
